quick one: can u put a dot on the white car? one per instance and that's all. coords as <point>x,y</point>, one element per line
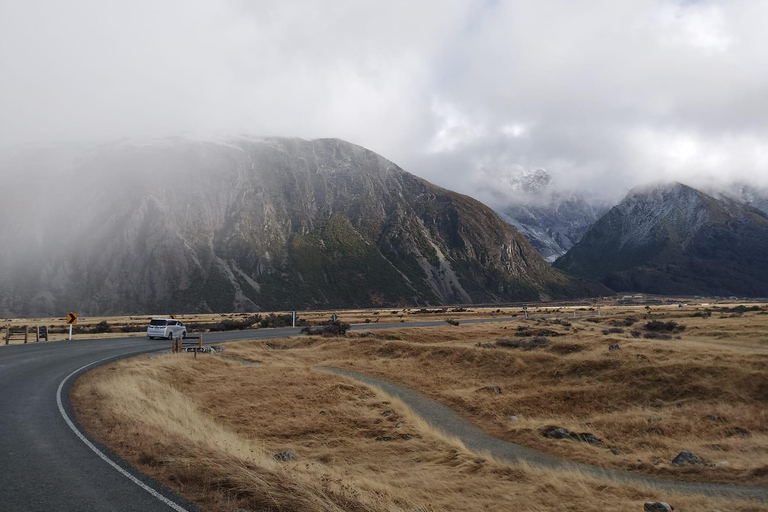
<point>167,328</point>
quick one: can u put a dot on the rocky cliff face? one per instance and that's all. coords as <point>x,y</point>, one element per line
<point>251,224</point>
<point>672,239</point>
<point>553,221</point>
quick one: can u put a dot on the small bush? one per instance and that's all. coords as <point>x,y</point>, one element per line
<point>613,330</point>
<point>655,335</point>
<point>635,333</point>
<point>537,342</point>
<point>702,314</point>
<point>659,326</point>
<point>101,327</point>
<point>630,321</point>
<point>329,330</point>
<point>452,321</point>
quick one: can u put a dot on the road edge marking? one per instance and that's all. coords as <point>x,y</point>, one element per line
<point>79,434</point>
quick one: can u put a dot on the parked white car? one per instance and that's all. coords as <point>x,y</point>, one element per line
<point>167,328</point>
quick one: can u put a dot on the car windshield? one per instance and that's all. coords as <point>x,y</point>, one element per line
<point>158,323</point>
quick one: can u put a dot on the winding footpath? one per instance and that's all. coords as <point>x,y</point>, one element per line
<point>48,463</point>
<point>451,423</point>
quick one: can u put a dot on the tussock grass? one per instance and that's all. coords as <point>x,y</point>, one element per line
<point>208,428</point>
<point>647,401</point>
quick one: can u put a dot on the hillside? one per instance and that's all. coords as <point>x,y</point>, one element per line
<point>673,239</point>
<point>252,224</point>
<point>552,220</point>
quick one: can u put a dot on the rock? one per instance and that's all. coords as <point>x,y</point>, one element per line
<point>721,464</point>
<point>655,419</point>
<point>586,437</point>
<point>615,347</point>
<point>514,418</point>
<point>286,456</point>
<point>490,389</point>
<point>387,413</point>
<point>615,450</point>
<point>560,433</point>
<point>686,458</point>
<point>657,506</point>
<point>322,413</point>
<point>399,425</point>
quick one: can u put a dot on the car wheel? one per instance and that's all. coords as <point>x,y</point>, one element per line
<point>150,337</point>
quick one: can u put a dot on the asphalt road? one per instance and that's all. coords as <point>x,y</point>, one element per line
<point>48,464</point>
<point>44,463</point>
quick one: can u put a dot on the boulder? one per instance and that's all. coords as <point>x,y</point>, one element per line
<point>387,413</point>
<point>657,506</point>
<point>615,347</point>
<point>686,458</point>
<point>514,418</point>
<point>586,437</point>
<point>560,433</point>
<point>490,389</point>
<point>286,456</point>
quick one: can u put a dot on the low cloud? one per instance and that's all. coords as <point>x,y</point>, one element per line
<point>604,95</point>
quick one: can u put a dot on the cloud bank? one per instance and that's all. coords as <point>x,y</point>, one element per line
<point>604,95</point>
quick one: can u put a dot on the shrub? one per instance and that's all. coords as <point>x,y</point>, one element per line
<point>635,333</point>
<point>329,330</point>
<point>659,326</point>
<point>655,335</point>
<point>613,330</point>
<point>537,342</point>
<point>101,327</point>
<point>452,321</point>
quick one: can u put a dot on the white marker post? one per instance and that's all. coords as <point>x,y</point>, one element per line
<point>293,318</point>
<point>70,332</point>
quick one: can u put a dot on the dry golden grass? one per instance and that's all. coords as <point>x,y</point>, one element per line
<point>208,427</point>
<point>355,316</point>
<point>704,392</point>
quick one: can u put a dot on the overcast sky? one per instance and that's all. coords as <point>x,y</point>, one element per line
<point>602,94</point>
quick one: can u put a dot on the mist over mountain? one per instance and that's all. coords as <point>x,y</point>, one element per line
<point>673,239</point>
<point>552,219</point>
<point>249,224</point>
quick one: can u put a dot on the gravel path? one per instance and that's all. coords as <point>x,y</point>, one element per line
<point>473,438</point>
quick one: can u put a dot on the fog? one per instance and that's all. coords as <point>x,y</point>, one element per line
<point>604,95</point>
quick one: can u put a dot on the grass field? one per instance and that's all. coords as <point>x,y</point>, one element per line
<point>136,325</point>
<point>208,427</point>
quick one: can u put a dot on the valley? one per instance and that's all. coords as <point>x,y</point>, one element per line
<point>645,381</point>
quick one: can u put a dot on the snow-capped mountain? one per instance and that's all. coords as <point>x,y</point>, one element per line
<point>673,239</point>
<point>553,221</point>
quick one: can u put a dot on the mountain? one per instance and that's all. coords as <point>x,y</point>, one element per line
<point>250,224</point>
<point>751,195</point>
<point>673,239</point>
<point>551,220</point>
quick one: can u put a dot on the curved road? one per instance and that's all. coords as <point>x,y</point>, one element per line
<point>44,465</point>
<point>47,464</point>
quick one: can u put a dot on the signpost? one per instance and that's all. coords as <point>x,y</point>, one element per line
<point>71,320</point>
<point>334,317</point>
<point>525,310</point>
<point>293,318</point>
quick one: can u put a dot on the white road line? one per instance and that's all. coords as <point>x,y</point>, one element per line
<point>98,452</point>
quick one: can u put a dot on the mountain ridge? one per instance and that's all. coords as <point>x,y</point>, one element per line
<point>262,224</point>
<point>674,239</point>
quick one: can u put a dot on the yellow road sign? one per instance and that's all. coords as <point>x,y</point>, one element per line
<point>71,318</point>
<point>173,316</point>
